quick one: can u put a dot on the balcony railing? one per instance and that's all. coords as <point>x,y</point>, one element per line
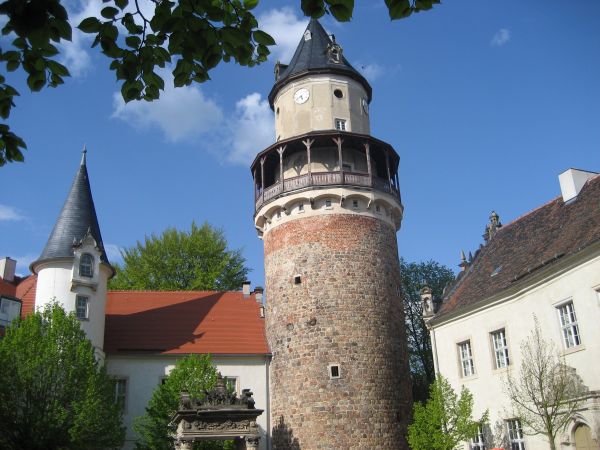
<point>324,179</point>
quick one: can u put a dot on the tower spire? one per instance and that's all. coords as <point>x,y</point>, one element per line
<point>78,215</point>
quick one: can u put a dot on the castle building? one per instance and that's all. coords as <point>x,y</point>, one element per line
<point>331,369</point>
<point>544,267</point>
<point>327,206</point>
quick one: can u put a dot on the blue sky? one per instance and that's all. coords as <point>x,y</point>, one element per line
<point>486,102</point>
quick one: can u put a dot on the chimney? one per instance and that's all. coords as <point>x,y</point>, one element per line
<point>258,294</point>
<point>7,269</point>
<point>571,181</point>
<point>246,289</point>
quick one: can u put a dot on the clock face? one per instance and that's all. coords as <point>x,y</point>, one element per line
<point>365,105</point>
<point>301,96</point>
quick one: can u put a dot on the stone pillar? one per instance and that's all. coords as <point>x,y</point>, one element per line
<point>252,442</point>
<point>181,444</point>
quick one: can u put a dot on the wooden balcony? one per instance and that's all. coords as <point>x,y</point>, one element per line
<point>324,179</point>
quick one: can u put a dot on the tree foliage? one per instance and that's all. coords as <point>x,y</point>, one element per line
<point>181,260</point>
<point>53,392</point>
<point>193,374</point>
<point>445,420</point>
<point>414,277</point>
<point>191,37</point>
<point>546,391</point>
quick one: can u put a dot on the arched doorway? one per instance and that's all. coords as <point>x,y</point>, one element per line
<point>583,438</point>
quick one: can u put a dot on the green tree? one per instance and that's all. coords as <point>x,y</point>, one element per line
<point>53,392</point>
<point>445,420</point>
<point>181,260</point>
<point>191,36</point>
<point>546,391</point>
<point>414,277</point>
<point>193,374</point>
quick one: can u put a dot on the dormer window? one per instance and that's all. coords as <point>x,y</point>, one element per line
<point>307,35</point>
<point>86,266</point>
<point>335,53</point>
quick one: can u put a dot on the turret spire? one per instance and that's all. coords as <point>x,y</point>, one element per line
<point>316,53</point>
<point>76,219</point>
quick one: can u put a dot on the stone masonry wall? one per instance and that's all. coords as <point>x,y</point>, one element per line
<point>346,310</point>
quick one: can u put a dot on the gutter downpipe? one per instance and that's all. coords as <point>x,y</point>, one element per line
<point>434,350</point>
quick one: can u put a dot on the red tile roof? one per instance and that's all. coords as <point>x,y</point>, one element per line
<point>7,288</point>
<point>183,322</point>
<point>535,240</point>
<point>26,293</point>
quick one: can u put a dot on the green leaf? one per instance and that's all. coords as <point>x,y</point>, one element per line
<point>250,4</point>
<point>263,38</point>
<point>313,8</point>
<point>109,12</point>
<point>58,69</point>
<point>90,25</point>
<point>398,9</point>
<point>341,9</point>
<point>11,66</point>
<point>122,3</point>
<point>133,41</point>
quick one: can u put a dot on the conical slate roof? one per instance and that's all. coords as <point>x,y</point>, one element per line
<point>77,216</point>
<point>312,57</point>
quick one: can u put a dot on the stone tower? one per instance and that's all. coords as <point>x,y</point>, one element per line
<point>73,269</point>
<point>327,205</point>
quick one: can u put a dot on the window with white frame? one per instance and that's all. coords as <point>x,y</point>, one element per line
<point>466,359</point>
<point>478,442</point>
<point>515,434</point>
<point>121,392</point>
<point>340,124</point>
<point>568,323</point>
<point>86,265</point>
<point>500,349</point>
<point>82,309</point>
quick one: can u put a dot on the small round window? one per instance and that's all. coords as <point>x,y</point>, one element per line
<point>338,93</point>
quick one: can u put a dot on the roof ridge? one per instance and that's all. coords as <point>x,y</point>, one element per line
<point>174,292</point>
<point>522,216</point>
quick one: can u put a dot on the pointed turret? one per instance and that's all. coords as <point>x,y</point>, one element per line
<point>77,217</point>
<point>317,53</point>
<point>73,269</point>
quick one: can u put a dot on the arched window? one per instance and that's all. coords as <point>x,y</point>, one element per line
<point>86,265</point>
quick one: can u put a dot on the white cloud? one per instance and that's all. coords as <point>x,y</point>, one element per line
<point>370,71</point>
<point>23,262</point>
<point>501,37</point>
<point>113,252</point>
<point>8,213</point>
<point>286,28</point>
<point>180,113</point>
<point>252,130</point>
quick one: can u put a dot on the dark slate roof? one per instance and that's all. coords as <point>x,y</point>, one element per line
<point>311,57</point>
<point>534,241</point>
<point>78,215</point>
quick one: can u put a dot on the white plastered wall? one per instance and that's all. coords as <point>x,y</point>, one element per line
<point>144,373</point>
<point>322,106</point>
<point>580,285</point>
<point>55,283</point>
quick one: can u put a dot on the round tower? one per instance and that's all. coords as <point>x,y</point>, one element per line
<point>327,205</point>
<point>73,268</point>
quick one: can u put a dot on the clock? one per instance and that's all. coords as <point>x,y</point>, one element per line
<point>365,105</point>
<point>301,96</point>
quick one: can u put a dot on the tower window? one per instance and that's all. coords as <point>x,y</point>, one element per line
<point>340,124</point>
<point>377,209</point>
<point>86,265</point>
<point>355,204</point>
<point>328,203</point>
<point>82,307</point>
<point>301,207</point>
<point>297,279</point>
<point>338,93</point>
<point>334,371</point>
